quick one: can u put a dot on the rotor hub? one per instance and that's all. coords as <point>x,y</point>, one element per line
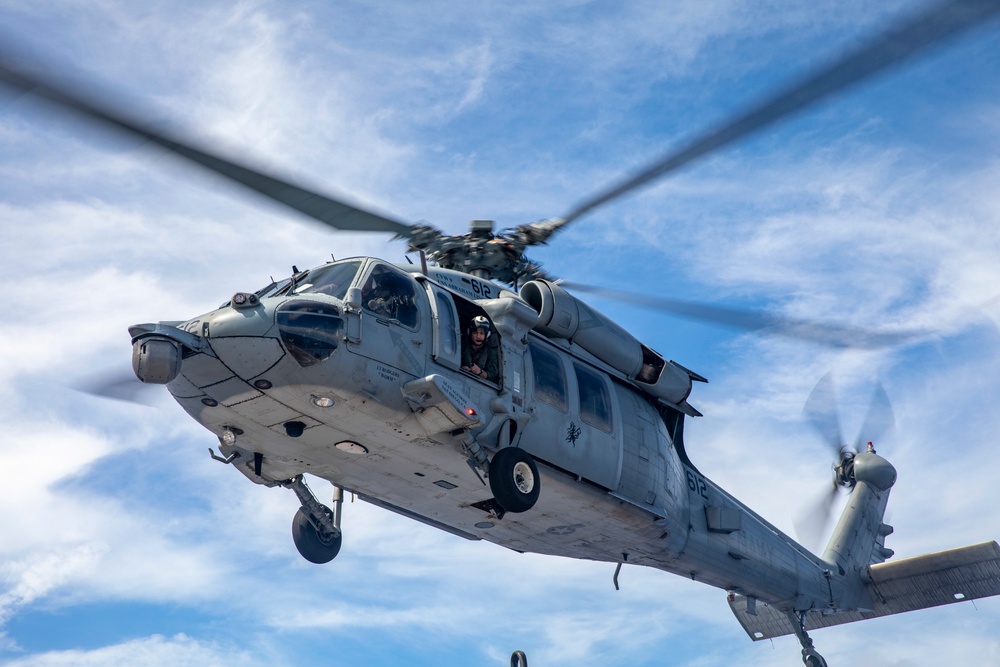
<point>844,470</point>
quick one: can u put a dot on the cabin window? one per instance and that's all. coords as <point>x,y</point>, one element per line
<point>331,279</point>
<point>391,295</point>
<point>595,404</point>
<point>446,338</point>
<point>550,378</point>
<point>447,324</point>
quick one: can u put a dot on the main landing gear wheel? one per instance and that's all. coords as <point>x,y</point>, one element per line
<point>315,544</point>
<point>514,479</point>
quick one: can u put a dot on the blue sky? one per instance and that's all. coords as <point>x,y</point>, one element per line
<point>121,542</point>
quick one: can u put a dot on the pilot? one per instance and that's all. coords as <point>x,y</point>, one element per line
<point>479,353</point>
<point>389,294</point>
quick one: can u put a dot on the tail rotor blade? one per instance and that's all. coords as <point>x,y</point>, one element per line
<point>811,525</point>
<point>878,421</point>
<point>821,411</point>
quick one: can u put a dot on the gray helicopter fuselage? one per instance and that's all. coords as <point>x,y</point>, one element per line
<point>322,379</point>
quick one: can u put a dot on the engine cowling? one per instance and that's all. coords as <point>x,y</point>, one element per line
<point>561,315</point>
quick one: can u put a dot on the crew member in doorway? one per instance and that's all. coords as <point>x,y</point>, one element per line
<point>479,356</point>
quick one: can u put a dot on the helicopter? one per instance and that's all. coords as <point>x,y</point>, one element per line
<point>318,319</point>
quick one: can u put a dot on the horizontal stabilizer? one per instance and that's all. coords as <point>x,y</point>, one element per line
<point>945,577</point>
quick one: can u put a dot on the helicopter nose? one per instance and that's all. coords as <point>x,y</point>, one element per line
<point>250,339</point>
<point>242,337</point>
<point>235,334</point>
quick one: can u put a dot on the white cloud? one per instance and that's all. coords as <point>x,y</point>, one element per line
<point>35,578</point>
<point>152,652</point>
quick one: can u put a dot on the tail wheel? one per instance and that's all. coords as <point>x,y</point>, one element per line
<point>813,659</point>
<point>315,546</point>
<point>514,479</point>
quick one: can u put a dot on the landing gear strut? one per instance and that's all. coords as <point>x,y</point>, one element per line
<point>810,658</point>
<point>315,527</point>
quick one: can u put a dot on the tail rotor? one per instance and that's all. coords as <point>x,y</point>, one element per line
<point>822,412</point>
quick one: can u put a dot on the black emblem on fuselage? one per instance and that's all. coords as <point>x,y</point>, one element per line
<point>572,433</point>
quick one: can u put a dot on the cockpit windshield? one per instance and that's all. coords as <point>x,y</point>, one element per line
<point>273,289</point>
<point>331,279</point>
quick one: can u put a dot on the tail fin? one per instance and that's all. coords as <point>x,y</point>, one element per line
<point>859,538</point>
<point>932,580</point>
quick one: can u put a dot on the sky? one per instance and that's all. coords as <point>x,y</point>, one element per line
<point>122,542</point>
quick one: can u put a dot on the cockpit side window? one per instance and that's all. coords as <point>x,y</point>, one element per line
<point>550,378</point>
<point>330,279</point>
<point>390,294</point>
<point>595,404</point>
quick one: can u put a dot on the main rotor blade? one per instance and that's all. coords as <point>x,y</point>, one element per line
<point>119,386</point>
<point>922,31</point>
<point>878,421</point>
<point>822,412</point>
<point>826,333</point>
<point>330,211</point>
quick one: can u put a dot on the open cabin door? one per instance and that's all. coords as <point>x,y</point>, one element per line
<point>446,348</point>
<point>452,314</point>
